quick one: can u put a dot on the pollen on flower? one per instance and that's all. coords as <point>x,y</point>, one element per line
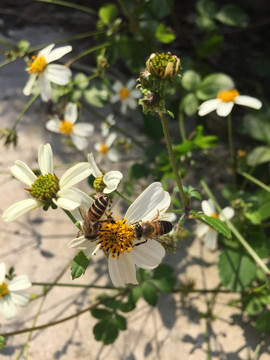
<point>215,215</point>
<point>116,237</point>
<point>228,95</point>
<point>45,188</point>
<point>66,127</point>
<point>124,93</point>
<point>37,65</point>
<point>99,184</point>
<point>103,149</point>
<point>3,289</point>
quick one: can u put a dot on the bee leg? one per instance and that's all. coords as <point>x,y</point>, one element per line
<point>143,242</point>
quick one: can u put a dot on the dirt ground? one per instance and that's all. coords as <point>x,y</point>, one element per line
<point>37,245</point>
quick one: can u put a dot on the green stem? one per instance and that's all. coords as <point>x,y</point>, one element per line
<point>71,5</point>
<point>30,102</point>
<point>72,218</point>
<point>182,124</point>
<point>184,198</point>
<point>255,181</point>
<point>122,196</point>
<point>231,147</point>
<point>86,52</point>
<point>239,237</point>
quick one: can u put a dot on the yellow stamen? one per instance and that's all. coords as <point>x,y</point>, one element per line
<point>228,95</point>
<point>66,127</point>
<point>37,65</point>
<point>103,149</point>
<point>3,289</point>
<point>124,93</point>
<point>215,215</point>
<point>116,237</point>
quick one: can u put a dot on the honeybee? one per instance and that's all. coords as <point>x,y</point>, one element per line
<point>91,219</point>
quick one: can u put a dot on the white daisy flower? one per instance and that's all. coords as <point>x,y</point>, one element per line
<point>105,125</point>
<point>104,183</point>
<point>118,239</point>
<point>47,189</point>
<point>210,234</point>
<point>11,293</point>
<point>40,67</point>
<point>79,133</point>
<point>225,101</point>
<point>105,150</point>
<point>126,94</point>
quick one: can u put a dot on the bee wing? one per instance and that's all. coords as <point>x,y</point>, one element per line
<point>159,215</point>
<point>82,212</point>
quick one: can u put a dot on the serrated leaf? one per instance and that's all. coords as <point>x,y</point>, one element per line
<point>258,155</point>
<point>190,104</point>
<point>79,265</point>
<point>100,313</point>
<point>216,224</point>
<point>232,15</point>
<point>190,80</point>
<point>107,13</point>
<point>236,270</point>
<point>212,84</point>
<point>263,322</point>
<point>106,331</point>
<point>149,293</point>
<point>164,34</point>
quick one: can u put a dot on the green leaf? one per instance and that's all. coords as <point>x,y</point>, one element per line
<point>236,270</point>
<point>138,171</point>
<point>97,95</point>
<point>210,46</point>
<point>258,155</point>
<point>160,8</point>
<point>206,8</point>
<point>121,322</point>
<point>2,342</point>
<point>190,80</point>
<point>216,224</point>
<point>264,204</point>
<point>23,45</point>
<point>149,293</point>
<point>81,81</point>
<point>107,13</point>
<point>164,34</point>
<point>232,15</point>
<point>263,322</point>
<point>101,313</point>
<point>106,331</point>
<point>254,217</point>
<point>163,270</point>
<point>190,191</point>
<point>204,142</point>
<point>79,265</point>
<point>170,113</point>
<point>190,104</point>
<point>257,126</point>
<point>252,305</point>
<point>212,84</point>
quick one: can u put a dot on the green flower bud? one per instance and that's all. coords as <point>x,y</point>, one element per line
<point>163,66</point>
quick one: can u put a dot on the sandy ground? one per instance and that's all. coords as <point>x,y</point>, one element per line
<point>36,244</point>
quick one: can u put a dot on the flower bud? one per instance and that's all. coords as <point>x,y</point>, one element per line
<point>146,79</point>
<point>163,66</point>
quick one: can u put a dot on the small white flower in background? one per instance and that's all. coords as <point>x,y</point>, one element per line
<point>117,238</point>
<point>40,67</point>
<point>79,133</point>
<point>105,150</point>
<point>47,189</point>
<point>126,94</point>
<point>105,125</point>
<point>104,183</point>
<point>210,234</point>
<point>225,101</point>
<point>11,293</point>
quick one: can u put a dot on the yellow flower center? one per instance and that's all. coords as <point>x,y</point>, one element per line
<point>124,93</point>
<point>45,188</point>
<point>37,65</point>
<point>66,127</point>
<point>116,237</point>
<point>228,95</point>
<point>3,289</point>
<point>99,184</point>
<point>215,215</point>
<point>103,149</point>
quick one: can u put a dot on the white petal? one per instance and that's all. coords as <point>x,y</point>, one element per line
<point>45,159</point>
<point>122,271</point>
<point>2,272</point>
<point>45,88</point>
<point>53,125</point>
<point>152,201</point>
<point>58,74</point>
<point>113,155</point>
<point>124,105</point>
<point>46,51</point>
<point>211,239</point>
<point>7,308</point>
<point>75,174</point>
<point>67,199</point>
<point>88,247</point>
<point>111,179</point>
<point>130,84</point>
<point>131,103</point>
<point>208,207</point>
<point>28,86</point>
<point>58,53</point>
<point>23,173</point>
<point>71,113</point>
<point>114,98</point>
<point>248,101</point>
<point>227,212</point>
<point>224,108</point>
<point>80,142</point>
<point>117,86</point>
<point>208,106</point>
<point>18,209</point>
<point>96,172</point>
<point>83,129</point>
<point>110,139</point>
<point>135,94</point>
<point>85,200</point>
<point>201,230</point>
<point>148,255</point>
<point>20,282</point>
<point>20,298</point>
